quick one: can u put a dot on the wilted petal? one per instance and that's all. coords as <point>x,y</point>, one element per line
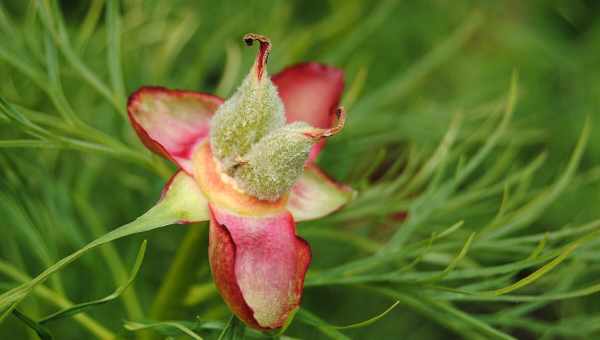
<point>310,92</point>
<point>315,195</point>
<point>184,195</point>
<point>258,265</point>
<point>172,122</point>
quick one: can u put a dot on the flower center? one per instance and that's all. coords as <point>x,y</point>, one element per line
<point>257,152</point>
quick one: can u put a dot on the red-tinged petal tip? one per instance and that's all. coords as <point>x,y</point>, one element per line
<point>259,265</point>
<point>311,92</point>
<point>223,191</point>
<point>315,195</point>
<point>172,122</point>
<point>263,52</point>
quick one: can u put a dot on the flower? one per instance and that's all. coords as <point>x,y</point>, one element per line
<point>252,160</point>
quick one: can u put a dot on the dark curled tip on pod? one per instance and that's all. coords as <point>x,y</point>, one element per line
<point>318,134</point>
<point>263,52</point>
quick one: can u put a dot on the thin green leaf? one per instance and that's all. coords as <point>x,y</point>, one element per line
<point>136,326</point>
<point>89,23</point>
<point>288,321</point>
<point>115,70</point>
<point>590,290</point>
<point>539,248</point>
<point>401,84</point>
<point>454,262</point>
<point>29,143</point>
<point>567,250</point>
<point>61,40</point>
<point>155,218</point>
<point>371,320</point>
<point>83,306</point>
<point>40,330</point>
<point>538,205</point>
<point>234,330</point>
<point>472,321</point>
<point>328,330</point>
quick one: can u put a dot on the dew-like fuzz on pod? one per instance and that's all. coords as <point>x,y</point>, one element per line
<point>276,162</point>
<point>250,114</point>
<point>250,139</point>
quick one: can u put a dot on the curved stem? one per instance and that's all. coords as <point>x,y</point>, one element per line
<point>59,300</point>
<point>190,255</point>
<point>113,260</point>
<point>160,215</point>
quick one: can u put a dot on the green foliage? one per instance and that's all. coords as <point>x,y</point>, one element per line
<point>65,313</point>
<point>476,214</point>
<point>233,330</point>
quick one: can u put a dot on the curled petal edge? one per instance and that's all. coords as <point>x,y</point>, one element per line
<point>171,123</point>
<point>315,195</point>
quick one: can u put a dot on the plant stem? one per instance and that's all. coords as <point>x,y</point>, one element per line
<point>159,216</point>
<point>190,255</point>
<point>114,261</point>
<point>59,300</point>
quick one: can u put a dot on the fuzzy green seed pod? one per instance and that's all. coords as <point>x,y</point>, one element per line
<point>250,114</point>
<point>275,163</point>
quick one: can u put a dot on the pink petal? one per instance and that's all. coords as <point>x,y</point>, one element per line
<point>311,92</point>
<point>172,122</point>
<point>258,264</point>
<point>315,195</point>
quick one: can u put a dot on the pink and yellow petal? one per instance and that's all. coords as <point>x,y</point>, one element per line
<point>222,190</point>
<point>172,122</point>
<point>315,195</point>
<point>182,195</point>
<point>258,265</point>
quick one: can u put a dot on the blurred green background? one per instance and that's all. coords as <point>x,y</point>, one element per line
<point>412,68</point>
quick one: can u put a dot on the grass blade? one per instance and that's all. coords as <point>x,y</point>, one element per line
<point>234,330</point>
<point>83,306</point>
<point>115,70</point>
<point>136,326</point>
<point>40,330</point>
<point>370,320</point>
<point>325,328</point>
